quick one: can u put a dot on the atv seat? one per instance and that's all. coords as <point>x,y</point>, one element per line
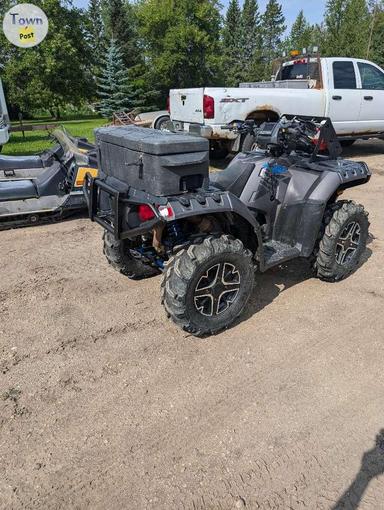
<point>19,162</point>
<point>236,175</point>
<point>17,190</point>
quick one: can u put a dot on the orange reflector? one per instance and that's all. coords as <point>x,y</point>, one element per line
<point>81,172</point>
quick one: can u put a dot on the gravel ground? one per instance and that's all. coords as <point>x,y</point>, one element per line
<point>105,404</point>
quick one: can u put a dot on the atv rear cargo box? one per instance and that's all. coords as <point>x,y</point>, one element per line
<point>154,161</point>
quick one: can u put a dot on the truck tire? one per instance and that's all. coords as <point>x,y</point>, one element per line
<point>121,258</point>
<point>161,123</point>
<point>347,143</point>
<point>206,287</point>
<point>343,242</point>
<point>217,150</point>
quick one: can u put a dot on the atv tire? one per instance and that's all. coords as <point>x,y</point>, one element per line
<point>121,258</point>
<point>343,243</point>
<point>249,143</point>
<point>206,287</point>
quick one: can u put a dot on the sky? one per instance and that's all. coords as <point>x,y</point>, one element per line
<point>313,9</point>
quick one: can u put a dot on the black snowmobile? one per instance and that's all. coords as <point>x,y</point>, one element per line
<point>31,166</point>
<point>45,187</point>
<point>162,213</point>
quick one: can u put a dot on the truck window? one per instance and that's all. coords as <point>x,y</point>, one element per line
<point>299,71</point>
<point>371,77</point>
<point>344,75</point>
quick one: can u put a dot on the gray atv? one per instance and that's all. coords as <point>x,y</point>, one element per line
<point>163,213</point>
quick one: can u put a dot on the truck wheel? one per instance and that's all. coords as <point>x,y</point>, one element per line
<point>206,287</point>
<point>161,123</point>
<point>249,143</point>
<point>347,143</point>
<point>121,258</point>
<point>217,150</point>
<point>343,243</point>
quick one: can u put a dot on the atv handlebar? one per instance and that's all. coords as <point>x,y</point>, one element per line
<point>295,135</point>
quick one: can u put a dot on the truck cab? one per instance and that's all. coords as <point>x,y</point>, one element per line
<point>4,118</point>
<point>349,91</point>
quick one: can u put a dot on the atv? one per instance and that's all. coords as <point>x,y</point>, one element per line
<point>47,187</point>
<point>163,212</point>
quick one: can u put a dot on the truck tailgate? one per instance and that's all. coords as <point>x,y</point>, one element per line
<point>187,105</point>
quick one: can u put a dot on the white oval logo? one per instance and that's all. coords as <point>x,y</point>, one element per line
<point>25,25</point>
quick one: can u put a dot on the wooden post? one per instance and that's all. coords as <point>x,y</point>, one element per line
<point>21,123</point>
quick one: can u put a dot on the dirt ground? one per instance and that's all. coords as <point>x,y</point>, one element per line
<point>105,404</point>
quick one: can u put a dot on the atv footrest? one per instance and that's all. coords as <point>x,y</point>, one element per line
<point>276,253</point>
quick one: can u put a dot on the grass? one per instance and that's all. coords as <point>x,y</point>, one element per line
<point>38,141</point>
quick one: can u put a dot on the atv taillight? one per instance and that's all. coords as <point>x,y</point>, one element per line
<point>323,145</point>
<point>145,212</point>
<point>209,107</point>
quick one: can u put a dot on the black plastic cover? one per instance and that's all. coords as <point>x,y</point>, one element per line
<point>154,161</point>
<point>151,141</point>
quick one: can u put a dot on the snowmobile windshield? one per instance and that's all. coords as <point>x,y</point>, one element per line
<point>69,147</point>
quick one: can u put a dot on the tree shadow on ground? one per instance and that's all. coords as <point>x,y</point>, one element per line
<point>372,465</point>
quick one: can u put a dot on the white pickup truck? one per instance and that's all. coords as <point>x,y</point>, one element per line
<point>349,91</point>
<point>4,119</point>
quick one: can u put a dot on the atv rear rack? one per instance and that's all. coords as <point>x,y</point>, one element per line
<point>112,219</point>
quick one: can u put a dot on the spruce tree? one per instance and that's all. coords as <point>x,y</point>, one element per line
<point>232,44</point>
<point>114,88</point>
<point>375,46</point>
<point>334,21</point>
<point>251,41</point>
<point>120,22</point>
<point>273,28</point>
<point>301,33</point>
<point>95,29</point>
<point>354,34</point>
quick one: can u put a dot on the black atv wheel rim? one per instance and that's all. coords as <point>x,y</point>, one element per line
<point>348,243</point>
<point>217,289</point>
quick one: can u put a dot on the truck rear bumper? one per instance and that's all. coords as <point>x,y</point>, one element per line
<point>211,132</point>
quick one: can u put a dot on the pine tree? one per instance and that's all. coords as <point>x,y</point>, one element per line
<point>232,44</point>
<point>114,88</point>
<point>334,21</point>
<point>120,22</point>
<point>95,29</point>
<point>273,28</point>
<point>354,34</point>
<point>251,41</point>
<point>301,33</point>
<point>375,50</point>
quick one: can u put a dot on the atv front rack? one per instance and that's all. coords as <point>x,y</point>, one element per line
<point>98,193</point>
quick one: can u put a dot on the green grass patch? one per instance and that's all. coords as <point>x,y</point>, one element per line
<point>38,141</point>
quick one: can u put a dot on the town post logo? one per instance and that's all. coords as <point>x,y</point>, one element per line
<point>25,25</point>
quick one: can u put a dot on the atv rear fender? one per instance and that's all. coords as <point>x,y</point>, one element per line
<point>109,199</point>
